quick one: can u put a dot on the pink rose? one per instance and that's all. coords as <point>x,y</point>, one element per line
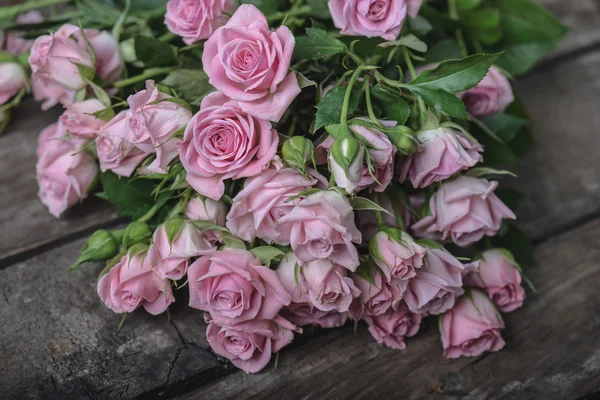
<point>372,18</point>
<point>382,153</point>
<point>205,209</point>
<point>152,125</point>
<point>115,152</point>
<point>322,226</point>
<point>320,282</point>
<point>195,20</point>
<point>79,122</point>
<point>109,64</point>
<point>322,150</point>
<point>472,327</point>
<point>221,142</point>
<point>390,328</point>
<point>15,44</point>
<point>346,159</point>
<point>65,173</point>
<point>465,210</point>
<point>12,80</point>
<point>234,287</point>
<point>170,259</point>
<point>51,94</point>
<point>249,63</point>
<point>500,278</point>
<point>396,254</point>
<point>443,152</point>
<point>249,344</point>
<point>434,289</point>
<point>376,296</point>
<point>307,314</point>
<point>131,283</point>
<point>492,95</point>
<point>257,209</point>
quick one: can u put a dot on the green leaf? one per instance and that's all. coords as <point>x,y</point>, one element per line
<point>511,197</point>
<point>362,204</point>
<point>266,6</point>
<point>517,242</point>
<point>410,41</point>
<point>189,84</point>
<point>154,53</point>
<point>317,44</point>
<point>419,25</point>
<point>329,110</point>
<point>394,107</point>
<point>202,225</point>
<point>175,100</point>
<point>442,101</point>
<point>504,125</point>
<point>318,9</point>
<point>173,228</point>
<point>456,75</point>
<point>105,115</point>
<point>447,49</point>
<point>497,152</point>
<point>132,198</point>
<point>465,5</point>
<point>86,72</point>
<point>478,172</point>
<point>485,24</point>
<point>304,81</point>
<point>232,242</point>
<point>267,254</point>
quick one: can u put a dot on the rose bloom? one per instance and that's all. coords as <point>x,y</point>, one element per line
<point>205,209</point>
<point>465,210</point>
<point>322,226</point>
<point>371,18</point>
<point>472,327</point>
<point>12,80</point>
<point>79,122</point>
<point>249,344</point>
<point>51,94</point>
<point>65,173</point>
<point>398,260</point>
<point>490,96</point>
<point>257,209</point>
<point>501,280</point>
<point>442,153</point>
<point>222,142</point>
<point>234,287</point>
<point>307,314</point>
<point>392,327</point>
<point>15,44</point>
<point>375,298</point>
<point>195,20</point>
<point>131,283</point>
<point>320,282</point>
<point>249,63</point>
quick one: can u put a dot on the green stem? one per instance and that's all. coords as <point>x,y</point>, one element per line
<point>378,216</point>
<point>298,12</point>
<point>367,86</point>
<point>167,37</point>
<point>460,38</point>
<point>409,63</point>
<point>146,217</point>
<point>348,94</point>
<point>149,73</point>
<point>13,11</point>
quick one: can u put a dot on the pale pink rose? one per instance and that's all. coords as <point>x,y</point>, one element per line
<point>372,18</point>
<point>490,96</point>
<point>233,287</point>
<point>396,254</point>
<point>435,288</point>
<point>79,121</point>
<point>131,283</point>
<point>205,209</point>
<point>249,344</point>
<point>249,63</point>
<point>258,208</point>
<point>195,20</point>
<point>322,283</point>
<point>382,153</point>
<point>109,64</point>
<point>376,296</point>
<point>500,278</point>
<point>152,125</point>
<point>307,314</point>
<point>15,44</point>
<point>464,210</point>
<point>472,327</point>
<point>222,142</point>
<point>322,150</point>
<point>392,327</point>
<point>442,153</point>
<point>115,152</point>
<point>170,260</point>
<point>51,93</point>
<point>12,80</point>
<point>323,227</point>
<point>349,172</point>
<point>65,173</point>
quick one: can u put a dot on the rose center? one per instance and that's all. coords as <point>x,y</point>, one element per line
<point>226,300</point>
<point>320,248</point>
<point>377,10</point>
<point>236,344</point>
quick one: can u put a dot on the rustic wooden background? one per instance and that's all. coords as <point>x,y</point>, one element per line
<point>58,341</point>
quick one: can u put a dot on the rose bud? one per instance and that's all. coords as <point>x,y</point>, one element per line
<point>376,296</point>
<point>443,152</point>
<point>307,314</point>
<point>234,287</point>
<point>102,245</point>
<point>383,18</point>
<point>396,254</point>
<point>136,232</point>
<point>109,64</point>
<point>464,210</point>
<point>50,93</point>
<point>322,226</point>
<point>499,276</point>
<point>222,142</point>
<point>195,20</point>
<point>490,96</point>
<point>321,283</point>
<point>249,344</point>
<point>472,327</point>
<point>346,158</point>
<point>390,328</point>
<point>12,80</point>
<point>249,63</point>
<point>434,289</point>
<point>79,121</point>
<point>257,209</point>
<point>205,209</point>
<point>297,151</point>
<point>131,283</point>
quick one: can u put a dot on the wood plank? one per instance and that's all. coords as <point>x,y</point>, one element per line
<point>552,351</point>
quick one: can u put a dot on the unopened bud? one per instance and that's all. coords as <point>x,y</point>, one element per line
<point>136,232</point>
<point>346,158</point>
<point>297,152</point>
<point>102,245</point>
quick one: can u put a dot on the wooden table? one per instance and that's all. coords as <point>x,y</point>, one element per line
<point>58,341</point>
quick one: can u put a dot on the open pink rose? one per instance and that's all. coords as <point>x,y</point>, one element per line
<point>442,153</point>
<point>390,328</point>
<point>195,20</point>
<point>131,283</point>
<point>307,314</point>
<point>15,43</point>
<point>12,80</point>
<point>234,287</point>
<point>464,210</point>
<point>222,142</point>
<point>249,63</point>
<point>490,96</point>
<point>376,296</point>
<point>372,18</point>
<point>472,327</point>
<point>79,121</point>
<point>51,94</point>
<point>257,209</point>
<point>249,344</point>
<point>322,226</point>
<point>396,254</point>
<point>500,278</point>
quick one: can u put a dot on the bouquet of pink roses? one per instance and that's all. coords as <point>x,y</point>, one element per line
<point>290,162</point>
